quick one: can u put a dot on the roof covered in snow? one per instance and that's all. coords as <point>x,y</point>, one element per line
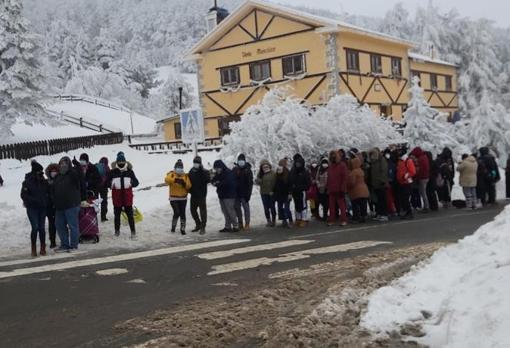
<point>326,24</point>
<point>424,58</point>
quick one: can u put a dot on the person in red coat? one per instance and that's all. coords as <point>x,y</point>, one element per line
<point>336,188</point>
<point>422,175</point>
<point>122,180</point>
<point>406,171</point>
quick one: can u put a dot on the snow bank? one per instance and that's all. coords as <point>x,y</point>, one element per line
<point>150,199</point>
<point>459,297</point>
<point>111,119</point>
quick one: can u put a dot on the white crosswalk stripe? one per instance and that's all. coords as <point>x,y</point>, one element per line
<point>292,256</point>
<point>250,249</point>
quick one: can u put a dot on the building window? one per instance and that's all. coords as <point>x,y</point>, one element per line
<point>230,76</point>
<point>260,71</point>
<point>448,83</point>
<point>416,74</point>
<point>396,67</point>
<point>178,130</point>
<point>433,81</point>
<point>385,110</point>
<point>376,63</point>
<point>294,65</point>
<point>223,128</point>
<point>352,61</point>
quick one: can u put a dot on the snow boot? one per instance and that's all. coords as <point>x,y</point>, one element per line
<point>174,225</point>
<point>268,224</point>
<point>247,227</point>
<point>133,235</point>
<point>42,252</point>
<point>34,250</point>
<point>117,233</point>
<point>196,229</point>
<point>183,227</point>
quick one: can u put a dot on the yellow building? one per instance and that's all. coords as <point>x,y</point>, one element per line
<point>262,45</point>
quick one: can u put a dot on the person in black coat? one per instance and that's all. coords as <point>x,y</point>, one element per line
<point>490,176</point>
<point>431,185</point>
<point>244,187</point>
<point>35,196</point>
<point>299,180</point>
<point>282,192</point>
<point>199,179</point>
<point>225,183</point>
<point>444,180</point>
<point>51,173</point>
<point>507,175</point>
<point>90,173</point>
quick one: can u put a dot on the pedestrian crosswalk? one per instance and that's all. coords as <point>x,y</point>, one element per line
<point>220,256</point>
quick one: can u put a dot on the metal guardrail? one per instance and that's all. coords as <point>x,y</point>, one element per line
<point>22,151</point>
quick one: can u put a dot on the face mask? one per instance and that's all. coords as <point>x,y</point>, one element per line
<point>404,157</point>
<point>241,163</point>
<point>325,165</point>
<point>179,170</point>
<point>53,174</point>
<point>387,156</point>
<point>83,163</point>
<point>299,165</point>
<point>314,165</point>
<point>196,165</point>
<point>64,168</point>
<point>279,169</point>
<point>218,170</point>
<point>266,169</point>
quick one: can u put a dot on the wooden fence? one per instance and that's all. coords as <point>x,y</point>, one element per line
<point>211,144</point>
<point>29,150</point>
<point>79,121</point>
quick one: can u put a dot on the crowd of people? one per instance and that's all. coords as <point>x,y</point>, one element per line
<point>341,187</point>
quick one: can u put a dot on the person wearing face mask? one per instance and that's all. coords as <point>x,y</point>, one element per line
<point>34,193</point>
<point>51,173</point>
<point>90,174</point>
<point>422,176</point>
<point>69,191</point>
<point>244,187</point>
<point>299,184</point>
<point>281,193</point>
<point>103,168</point>
<point>406,171</point>
<point>392,177</point>
<point>122,180</point>
<point>312,194</point>
<point>225,184</point>
<point>179,185</point>
<point>266,179</point>
<point>337,188</point>
<point>199,178</point>
<point>379,181</point>
<point>321,180</point>
<point>358,190</point>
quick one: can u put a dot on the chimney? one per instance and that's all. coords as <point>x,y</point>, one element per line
<point>215,16</point>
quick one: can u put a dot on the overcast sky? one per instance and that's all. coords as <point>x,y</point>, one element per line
<point>497,10</point>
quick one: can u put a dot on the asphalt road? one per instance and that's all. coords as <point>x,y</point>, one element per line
<point>68,304</point>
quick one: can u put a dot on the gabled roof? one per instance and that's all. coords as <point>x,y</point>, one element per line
<point>326,24</point>
<point>420,57</point>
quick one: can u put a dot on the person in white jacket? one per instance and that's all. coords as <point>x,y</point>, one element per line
<point>468,179</point>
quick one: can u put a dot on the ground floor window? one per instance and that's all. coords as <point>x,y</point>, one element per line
<point>177,130</point>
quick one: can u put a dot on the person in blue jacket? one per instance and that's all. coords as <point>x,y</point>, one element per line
<point>225,183</point>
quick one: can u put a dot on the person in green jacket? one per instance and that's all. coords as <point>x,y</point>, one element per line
<point>266,179</point>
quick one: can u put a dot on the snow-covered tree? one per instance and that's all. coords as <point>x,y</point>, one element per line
<point>165,102</point>
<point>425,126</point>
<point>281,125</point>
<point>105,49</point>
<point>20,78</point>
<point>490,126</point>
<point>396,22</point>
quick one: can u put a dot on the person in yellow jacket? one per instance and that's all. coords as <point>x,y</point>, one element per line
<point>179,184</point>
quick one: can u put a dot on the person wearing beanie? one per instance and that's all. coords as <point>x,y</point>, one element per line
<point>244,187</point>
<point>69,190</point>
<point>300,182</point>
<point>121,181</point>
<point>103,168</point>
<point>225,184</point>
<point>51,173</point>
<point>90,174</point>
<point>266,179</point>
<point>199,178</point>
<point>179,186</point>
<point>35,193</point>
<point>282,193</point>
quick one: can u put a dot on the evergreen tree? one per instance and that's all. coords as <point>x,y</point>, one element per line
<point>20,78</point>
<point>424,125</point>
<point>105,49</point>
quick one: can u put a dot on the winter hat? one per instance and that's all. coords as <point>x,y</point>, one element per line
<point>241,157</point>
<point>324,160</point>
<point>36,167</point>
<point>198,160</point>
<point>121,157</point>
<point>84,157</point>
<point>297,157</point>
<point>53,167</point>
<point>179,164</point>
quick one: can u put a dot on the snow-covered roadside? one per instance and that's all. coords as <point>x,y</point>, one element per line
<point>151,200</point>
<point>459,297</point>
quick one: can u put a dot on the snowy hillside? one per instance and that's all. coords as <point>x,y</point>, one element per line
<point>111,119</point>
<point>27,133</point>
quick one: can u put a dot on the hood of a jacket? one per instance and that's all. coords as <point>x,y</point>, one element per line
<point>417,152</point>
<point>355,163</point>
<point>219,164</point>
